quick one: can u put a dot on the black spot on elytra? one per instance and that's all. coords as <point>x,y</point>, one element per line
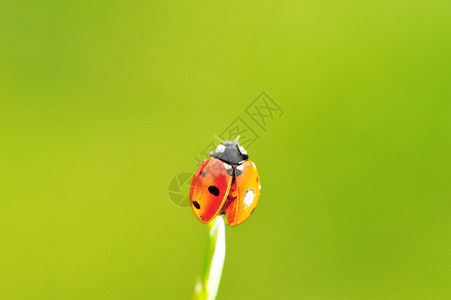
<point>202,174</point>
<point>196,205</point>
<point>213,190</point>
<point>238,172</point>
<point>230,171</point>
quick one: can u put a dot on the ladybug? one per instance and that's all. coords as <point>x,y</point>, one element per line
<point>227,183</point>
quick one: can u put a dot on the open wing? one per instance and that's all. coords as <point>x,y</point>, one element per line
<point>247,185</point>
<point>209,188</point>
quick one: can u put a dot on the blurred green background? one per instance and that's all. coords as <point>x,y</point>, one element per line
<point>102,103</point>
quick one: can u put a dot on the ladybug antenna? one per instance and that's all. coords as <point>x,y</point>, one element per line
<point>218,138</point>
<point>236,139</point>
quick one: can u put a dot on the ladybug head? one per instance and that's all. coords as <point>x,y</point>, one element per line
<point>231,152</point>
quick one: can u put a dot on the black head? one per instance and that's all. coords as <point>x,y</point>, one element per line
<point>230,152</point>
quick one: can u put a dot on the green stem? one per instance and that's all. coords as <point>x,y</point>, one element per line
<point>207,287</point>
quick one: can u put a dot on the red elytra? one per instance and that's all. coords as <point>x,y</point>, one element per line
<point>226,183</point>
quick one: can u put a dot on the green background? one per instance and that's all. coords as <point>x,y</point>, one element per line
<point>102,103</point>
